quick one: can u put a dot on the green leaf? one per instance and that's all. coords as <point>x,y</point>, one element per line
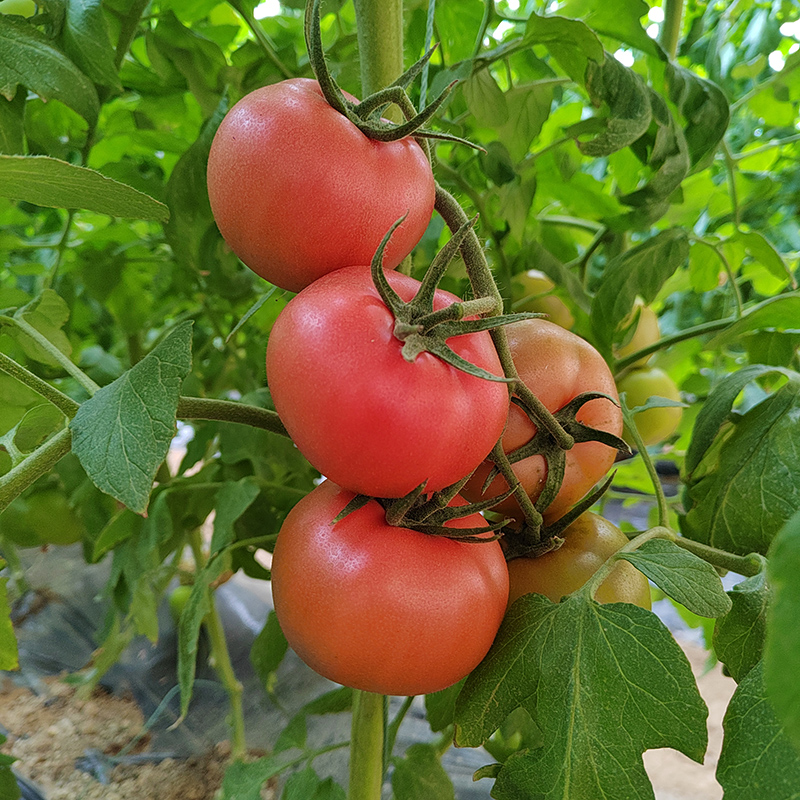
<point>30,60</point>
<point>628,101</point>
<point>9,788</point>
<point>268,650</point>
<point>782,648</point>
<point>683,576</point>
<point>704,107</point>
<point>485,99</point>
<point>9,657</point>
<point>739,636</point>
<point>49,182</point>
<point>571,42</point>
<point>122,434</point>
<point>642,270</point>
<point>748,486</point>
<point>243,781</point>
<point>336,701</point>
<point>307,785</point>
<point>604,683</point>
<point>195,611</point>
<point>620,20</point>
<point>757,760</point>
<point>36,427</point>
<point>12,130</point>
<point>87,43</point>
<point>528,106</point>
<point>48,313</point>
<point>420,775</point>
<point>121,527</point>
<point>716,411</point>
<point>233,499</point>
<point>440,707</point>
<point>781,313</point>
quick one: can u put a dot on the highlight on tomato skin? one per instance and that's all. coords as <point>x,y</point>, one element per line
<point>588,542</point>
<point>298,191</point>
<point>380,608</point>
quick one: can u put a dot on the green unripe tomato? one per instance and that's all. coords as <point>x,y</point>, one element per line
<point>646,332</point>
<point>531,291</point>
<point>655,424</point>
<point>178,598</point>
<point>23,8</point>
<point>40,519</point>
<point>588,543</point>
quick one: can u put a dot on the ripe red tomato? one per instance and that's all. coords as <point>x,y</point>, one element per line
<point>588,543</point>
<point>381,608</point>
<point>358,411</point>
<point>297,190</point>
<point>556,365</point>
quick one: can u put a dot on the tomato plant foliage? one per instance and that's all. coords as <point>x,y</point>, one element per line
<point>630,154</point>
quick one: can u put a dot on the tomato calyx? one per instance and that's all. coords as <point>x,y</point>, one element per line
<point>533,540</point>
<point>423,330</point>
<point>430,514</point>
<point>544,444</point>
<point>366,115</point>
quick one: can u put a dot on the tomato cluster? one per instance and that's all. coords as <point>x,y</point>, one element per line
<point>365,596</point>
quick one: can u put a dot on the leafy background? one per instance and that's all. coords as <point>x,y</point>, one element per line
<point>616,170</point>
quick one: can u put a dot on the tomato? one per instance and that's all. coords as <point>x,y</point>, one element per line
<point>556,365</point>
<point>358,411</point>
<point>588,543</point>
<point>178,599</point>
<point>531,292</point>
<point>297,190</point>
<point>647,332</point>
<point>380,608</point>
<point>655,424</point>
<point>41,518</point>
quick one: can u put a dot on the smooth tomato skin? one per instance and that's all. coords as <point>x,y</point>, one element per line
<point>365,417</point>
<point>298,191</point>
<point>588,543</point>
<point>381,608</point>
<point>655,424</point>
<point>556,365</point>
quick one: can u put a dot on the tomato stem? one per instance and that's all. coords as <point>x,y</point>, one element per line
<point>221,657</point>
<point>228,411</point>
<point>367,746</point>
<point>61,401</point>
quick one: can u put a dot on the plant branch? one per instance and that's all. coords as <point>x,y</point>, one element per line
<point>38,463</point>
<point>261,37</point>
<point>228,411</point>
<point>366,746</point>
<point>670,32</point>
<point>61,401</point>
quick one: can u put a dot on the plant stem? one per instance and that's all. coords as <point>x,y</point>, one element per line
<point>366,746</point>
<point>380,42</point>
<point>668,341</point>
<point>38,463</point>
<point>670,33</point>
<point>61,401</point>
<point>70,368</point>
<point>130,22</point>
<point>228,411</point>
<point>393,728</point>
<point>658,489</point>
<point>221,657</point>
<point>742,565</point>
<point>261,37</point>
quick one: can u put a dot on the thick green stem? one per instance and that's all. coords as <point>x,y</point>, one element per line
<point>70,368</point>
<point>227,411</point>
<point>671,27</point>
<point>366,746</point>
<point>380,42</point>
<point>742,565</point>
<point>61,401</point>
<point>668,341</point>
<point>221,657</point>
<point>38,463</point>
